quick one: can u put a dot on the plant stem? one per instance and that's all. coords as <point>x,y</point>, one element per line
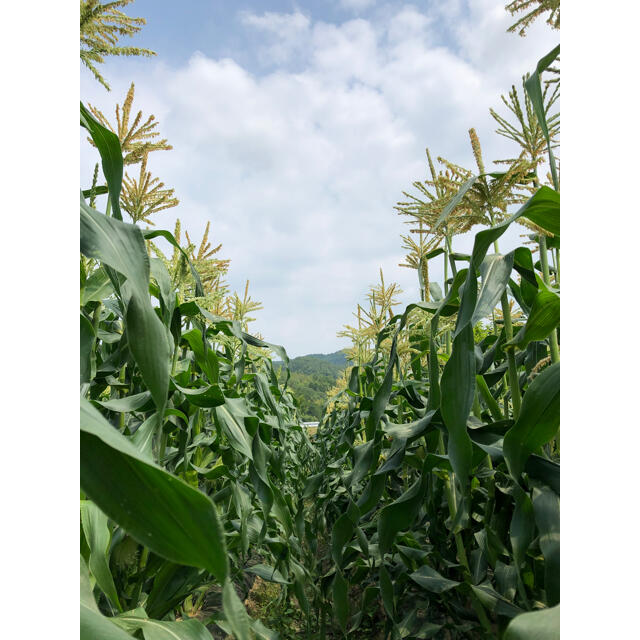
<point>447,251</point>
<point>514,383</point>
<point>477,409</point>
<point>454,270</point>
<point>491,402</point>
<point>135,597</point>
<point>544,263</point>
<point>460,549</point>
<point>122,378</point>
<point>96,318</point>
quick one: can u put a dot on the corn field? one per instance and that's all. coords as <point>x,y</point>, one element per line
<point>426,505</point>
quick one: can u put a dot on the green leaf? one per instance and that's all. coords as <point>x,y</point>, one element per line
<point>130,403</point>
<point>493,601</point>
<point>535,625</point>
<point>544,210</point>
<point>522,526</point>
<point>121,246</point>
<point>538,422</point>
<point>204,359</point>
<point>386,589</point>
<point>455,201</point>
<point>99,190</point>
<point>312,485</point>
<point>411,430</point>
<point>108,145</point>
<point>92,623</point>
<point>231,415</point>
<point>534,89</point>
<point>495,270</point>
<point>398,515</point>
<point>340,600</point>
<point>381,398</point>
<point>363,460</point>
<point>144,435</point>
<point>167,294</point>
<point>546,507</point>
<point>431,580</point>
<point>206,397</point>
<point>217,471</point>
<point>149,344</point>
<point>458,388</point>
<point>543,318</point>
<point>149,234</point>
<point>87,359</point>
<point>341,533</point>
<point>96,288</point>
<point>371,494</point>
<point>262,632</point>
<point>546,471</point>
<point>190,629</point>
<point>159,510</point>
<point>171,585</point>
<point>270,574</point>
<point>98,536</point>
<point>235,613</point>
<point>394,457</point>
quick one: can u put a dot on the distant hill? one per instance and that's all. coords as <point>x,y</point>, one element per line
<point>339,358</point>
<point>311,377</point>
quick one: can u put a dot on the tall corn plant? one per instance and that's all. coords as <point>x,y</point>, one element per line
<point>193,459</point>
<point>439,490</point>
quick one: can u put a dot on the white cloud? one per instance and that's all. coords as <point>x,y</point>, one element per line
<point>286,33</point>
<point>299,170</point>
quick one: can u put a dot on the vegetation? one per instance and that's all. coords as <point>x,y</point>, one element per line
<point>427,505</point>
<point>101,26</point>
<point>311,377</point>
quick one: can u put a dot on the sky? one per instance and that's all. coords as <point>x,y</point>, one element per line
<point>296,127</point>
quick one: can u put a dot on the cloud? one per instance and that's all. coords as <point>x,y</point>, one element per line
<point>299,167</point>
<point>286,33</point>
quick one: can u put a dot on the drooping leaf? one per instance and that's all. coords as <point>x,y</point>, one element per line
<point>121,247</point>
<point>534,89</point>
<point>235,613</point>
<point>457,388</point>
<point>231,417</point>
<point>495,277</point>
<point>386,589</point>
<point>270,574</point>
<point>535,625</point>
<point>108,145</point>
<point>340,600</point>
<point>398,515</point>
<point>546,507</point>
<point>431,580</point>
<point>543,318</point>
<point>92,623</point>
<point>98,536</point>
<point>538,421</point>
<point>161,511</point>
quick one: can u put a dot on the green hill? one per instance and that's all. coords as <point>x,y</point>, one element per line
<point>311,377</point>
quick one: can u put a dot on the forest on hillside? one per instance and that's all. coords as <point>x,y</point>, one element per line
<point>312,376</point>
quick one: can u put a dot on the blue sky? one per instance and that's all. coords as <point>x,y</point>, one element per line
<point>296,127</point>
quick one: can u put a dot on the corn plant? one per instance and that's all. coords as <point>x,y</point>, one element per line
<point>193,459</point>
<point>438,487</point>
